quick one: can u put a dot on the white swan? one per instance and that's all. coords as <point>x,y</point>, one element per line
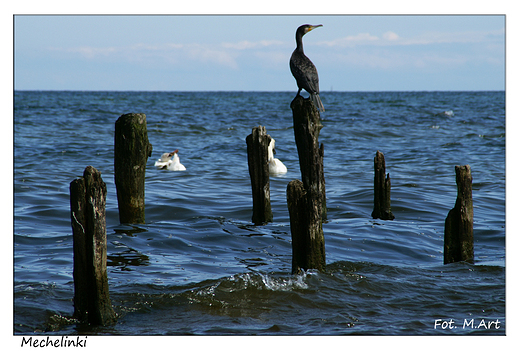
<point>275,165</point>
<point>166,162</point>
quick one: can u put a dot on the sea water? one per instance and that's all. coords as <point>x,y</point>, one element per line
<point>199,266</point>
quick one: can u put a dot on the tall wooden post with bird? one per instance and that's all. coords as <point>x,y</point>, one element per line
<point>306,198</point>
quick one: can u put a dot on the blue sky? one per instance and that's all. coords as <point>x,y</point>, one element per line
<point>251,53</point>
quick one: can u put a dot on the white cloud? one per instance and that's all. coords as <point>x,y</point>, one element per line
<point>171,53</point>
<point>223,54</point>
<point>427,38</point>
<point>391,36</point>
<point>88,52</point>
<point>245,44</point>
<point>351,40</point>
<point>207,54</point>
<point>431,38</point>
<point>387,59</point>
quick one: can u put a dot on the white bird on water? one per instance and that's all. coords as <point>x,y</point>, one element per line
<point>166,162</point>
<point>275,165</point>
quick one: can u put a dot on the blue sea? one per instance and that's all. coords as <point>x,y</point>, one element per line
<point>199,266</point>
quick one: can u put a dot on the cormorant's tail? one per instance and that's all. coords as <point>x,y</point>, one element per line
<point>317,102</point>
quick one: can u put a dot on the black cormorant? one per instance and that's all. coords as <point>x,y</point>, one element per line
<point>304,70</point>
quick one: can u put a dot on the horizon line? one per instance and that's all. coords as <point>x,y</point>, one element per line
<point>255,91</point>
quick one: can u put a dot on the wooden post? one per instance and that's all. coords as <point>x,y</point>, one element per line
<point>458,227</point>
<point>131,152</point>
<point>306,198</point>
<point>257,145</point>
<point>381,189</point>
<point>307,126</point>
<point>308,241</point>
<point>87,203</point>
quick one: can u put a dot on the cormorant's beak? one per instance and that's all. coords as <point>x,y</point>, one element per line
<point>316,26</point>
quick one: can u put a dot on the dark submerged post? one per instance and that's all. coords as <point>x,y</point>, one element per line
<point>257,159</point>
<point>306,198</point>
<point>87,203</point>
<point>458,227</point>
<point>131,152</point>
<point>381,189</point>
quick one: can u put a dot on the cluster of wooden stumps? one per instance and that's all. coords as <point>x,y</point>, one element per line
<point>305,200</point>
<point>458,227</point>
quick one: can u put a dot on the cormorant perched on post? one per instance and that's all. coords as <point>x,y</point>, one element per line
<point>304,70</point>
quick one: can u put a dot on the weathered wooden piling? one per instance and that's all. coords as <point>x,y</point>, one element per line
<point>87,203</point>
<point>257,159</point>
<point>458,227</point>
<point>306,198</point>
<point>382,208</point>
<point>131,152</point>
<point>308,241</point>
<point>307,126</point>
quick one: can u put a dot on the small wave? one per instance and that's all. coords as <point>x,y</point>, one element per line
<point>253,294</point>
<point>262,281</point>
<point>285,284</point>
<point>448,113</point>
<point>229,291</point>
